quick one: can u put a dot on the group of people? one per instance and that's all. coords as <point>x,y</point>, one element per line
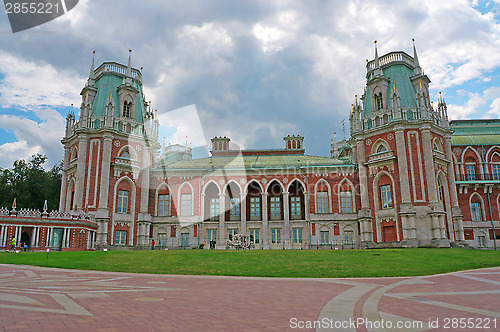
<point>13,245</point>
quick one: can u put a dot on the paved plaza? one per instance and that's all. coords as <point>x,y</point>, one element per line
<point>46,299</point>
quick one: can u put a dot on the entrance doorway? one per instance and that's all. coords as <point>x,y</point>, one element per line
<point>389,234</point>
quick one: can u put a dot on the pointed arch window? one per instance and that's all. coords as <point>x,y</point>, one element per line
<point>122,204</point>
<point>386,196</point>
<point>379,103</point>
<point>127,107</point>
<point>381,149</point>
<point>163,204</point>
<point>476,208</point>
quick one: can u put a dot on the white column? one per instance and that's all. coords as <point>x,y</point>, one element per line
<point>64,180</point>
<point>105,169</point>
<point>429,164</point>
<point>265,226</point>
<point>243,213</point>
<point>222,218</point>
<point>80,170</point>
<point>286,219</point>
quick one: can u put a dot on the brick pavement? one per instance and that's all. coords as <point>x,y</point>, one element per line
<point>46,299</point>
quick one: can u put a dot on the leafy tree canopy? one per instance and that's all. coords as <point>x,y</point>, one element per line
<point>31,184</point>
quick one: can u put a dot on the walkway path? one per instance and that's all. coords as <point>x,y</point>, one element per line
<point>45,299</point>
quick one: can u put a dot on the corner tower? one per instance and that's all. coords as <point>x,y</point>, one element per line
<point>402,145</point>
<point>108,154</point>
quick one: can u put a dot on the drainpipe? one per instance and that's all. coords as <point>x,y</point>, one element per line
<point>485,171</point>
<point>308,206</point>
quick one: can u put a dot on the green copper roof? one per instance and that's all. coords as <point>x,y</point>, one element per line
<point>475,140</point>
<point>400,74</point>
<point>475,132</point>
<point>276,161</point>
<point>110,82</point>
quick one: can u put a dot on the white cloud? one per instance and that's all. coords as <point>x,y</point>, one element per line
<point>32,136</point>
<point>28,83</point>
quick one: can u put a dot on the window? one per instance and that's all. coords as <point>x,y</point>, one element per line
<point>255,235</point>
<point>345,202</point>
<point>275,207</point>
<point>184,239</point>
<point>235,207</point>
<point>163,205</point>
<point>475,211</point>
<point>379,101</point>
<point>295,211</point>
<point>381,149</point>
<point>232,232</point>
<point>125,155</point>
<point>440,191</point>
<point>471,173</point>
<point>324,237</point>
<point>122,205</point>
<point>126,109</point>
<point>254,208</point>
<point>496,171</point>
<point>120,237</point>
<point>386,196</point>
<point>297,235</point>
<point>322,202</point>
<point>276,235</point>
<point>185,204</point>
<point>214,209</point>
<point>482,241</point>
<point>211,234</point>
<point>348,237</point>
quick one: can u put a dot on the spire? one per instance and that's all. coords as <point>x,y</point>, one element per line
<point>129,67</point>
<point>92,74</point>
<point>335,146</point>
<point>417,70</point>
<point>377,62</point>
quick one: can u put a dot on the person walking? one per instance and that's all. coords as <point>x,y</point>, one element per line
<point>13,245</point>
<point>153,245</point>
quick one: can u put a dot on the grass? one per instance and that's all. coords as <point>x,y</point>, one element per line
<point>269,263</point>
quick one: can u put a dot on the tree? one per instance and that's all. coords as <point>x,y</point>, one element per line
<point>30,184</point>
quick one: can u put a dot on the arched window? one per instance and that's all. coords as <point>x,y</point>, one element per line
<point>186,200</point>
<point>275,194</point>
<point>470,168</point>
<point>322,205</point>
<point>476,208</point>
<point>163,202</point>
<point>127,106</point>
<point>296,191</point>
<point>379,103</point>
<point>122,203</point>
<point>345,198</point>
<point>381,149</point>
<point>254,195</point>
<point>386,196</point>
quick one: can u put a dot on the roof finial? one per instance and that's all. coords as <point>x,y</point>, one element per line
<point>91,75</point>
<point>335,146</point>
<point>416,64</point>
<point>377,71</point>
<point>110,94</point>
<point>129,67</point>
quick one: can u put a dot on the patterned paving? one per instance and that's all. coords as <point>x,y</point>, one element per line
<point>43,299</point>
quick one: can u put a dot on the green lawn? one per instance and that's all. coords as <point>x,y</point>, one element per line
<point>269,263</point>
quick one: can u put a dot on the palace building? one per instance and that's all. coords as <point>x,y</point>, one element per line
<point>406,177</point>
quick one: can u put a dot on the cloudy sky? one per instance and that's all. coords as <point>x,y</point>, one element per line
<point>253,70</point>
